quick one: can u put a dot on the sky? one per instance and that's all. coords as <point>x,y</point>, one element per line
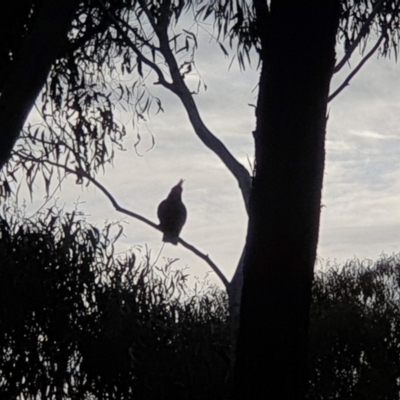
<point>361,193</point>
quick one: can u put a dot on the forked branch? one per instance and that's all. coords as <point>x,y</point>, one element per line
<point>355,70</point>
<point>179,88</point>
<point>117,23</point>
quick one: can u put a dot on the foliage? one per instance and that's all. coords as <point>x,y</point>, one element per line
<point>355,332</point>
<point>242,23</point>
<point>113,49</point>
<point>78,322</point>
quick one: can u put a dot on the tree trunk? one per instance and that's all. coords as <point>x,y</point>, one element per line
<point>235,299</point>
<point>39,51</point>
<point>298,57</point>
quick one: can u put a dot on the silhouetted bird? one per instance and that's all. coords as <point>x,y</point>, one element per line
<point>172,214</point>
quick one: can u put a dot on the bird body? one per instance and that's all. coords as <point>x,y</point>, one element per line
<point>172,214</point>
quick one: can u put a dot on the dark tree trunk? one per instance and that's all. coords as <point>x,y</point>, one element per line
<point>298,56</point>
<point>31,68</point>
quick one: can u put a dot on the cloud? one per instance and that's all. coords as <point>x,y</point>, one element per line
<point>372,135</point>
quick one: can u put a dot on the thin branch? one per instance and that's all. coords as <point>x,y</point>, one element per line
<point>88,35</point>
<point>363,32</point>
<point>355,71</point>
<point>207,259</point>
<point>82,174</point>
<point>149,16</point>
<point>140,37</point>
<point>139,55</point>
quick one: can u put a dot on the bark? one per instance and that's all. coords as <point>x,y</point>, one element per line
<point>28,75</point>
<point>298,43</point>
<point>234,290</point>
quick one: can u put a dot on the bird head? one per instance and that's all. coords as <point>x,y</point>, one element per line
<point>177,189</point>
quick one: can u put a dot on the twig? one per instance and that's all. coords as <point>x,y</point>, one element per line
<point>356,42</point>
<point>354,72</point>
<point>207,259</point>
<point>148,15</point>
<point>48,198</point>
<point>139,55</point>
<point>158,255</point>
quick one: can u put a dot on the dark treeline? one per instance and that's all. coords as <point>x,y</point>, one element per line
<point>78,322</point>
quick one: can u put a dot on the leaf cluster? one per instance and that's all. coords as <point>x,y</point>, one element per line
<point>363,21</point>
<point>245,23</point>
<point>114,47</point>
<point>355,331</point>
<point>76,321</point>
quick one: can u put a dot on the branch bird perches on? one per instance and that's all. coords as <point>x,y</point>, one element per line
<point>83,175</point>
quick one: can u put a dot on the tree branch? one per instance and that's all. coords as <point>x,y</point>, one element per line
<point>132,45</point>
<point>355,71</point>
<point>134,31</point>
<point>207,259</point>
<point>363,32</point>
<point>82,174</point>
<point>179,88</point>
<point>204,134</point>
<point>89,34</point>
<point>149,16</point>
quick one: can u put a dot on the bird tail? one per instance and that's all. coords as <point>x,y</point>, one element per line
<point>170,238</point>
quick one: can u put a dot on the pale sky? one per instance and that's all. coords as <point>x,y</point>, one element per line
<point>361,195</point>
